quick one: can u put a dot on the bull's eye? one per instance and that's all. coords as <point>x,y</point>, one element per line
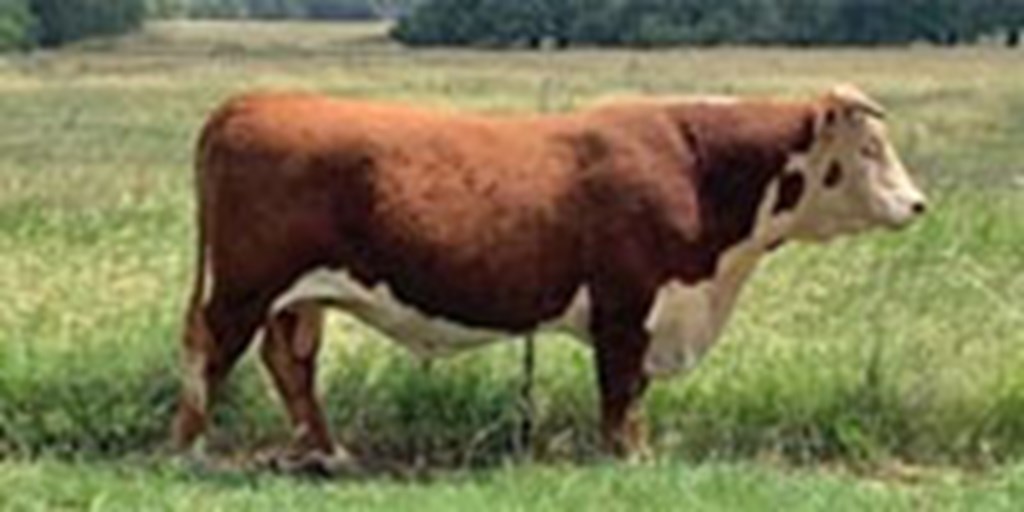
<point>834,175</point>
<point>872,151</point>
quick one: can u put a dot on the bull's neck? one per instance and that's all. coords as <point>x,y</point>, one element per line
<point>741,152</point>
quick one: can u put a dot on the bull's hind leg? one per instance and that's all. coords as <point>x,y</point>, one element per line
<point>289,351</point>
<point>216,335</point>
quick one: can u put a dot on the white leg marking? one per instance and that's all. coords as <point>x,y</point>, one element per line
<point>207,277</point>
<point>195,379</point>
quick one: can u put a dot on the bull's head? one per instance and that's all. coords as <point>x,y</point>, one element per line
<point>854,178</point>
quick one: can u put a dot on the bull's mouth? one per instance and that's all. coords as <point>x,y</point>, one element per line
<point>902,222</point>
<point>899,225</point>
<point>902,214</point>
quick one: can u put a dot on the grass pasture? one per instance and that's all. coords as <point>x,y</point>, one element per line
<point>708,487</point>
<point>889,347</point>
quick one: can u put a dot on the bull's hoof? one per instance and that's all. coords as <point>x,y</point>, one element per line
<point>314,464</point>
<point>633,457</point>
<point>631,451</point>
<point>639,456</point>
<point>192,457</point>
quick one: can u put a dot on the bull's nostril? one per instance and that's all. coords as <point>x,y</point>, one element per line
<point>919,208</point>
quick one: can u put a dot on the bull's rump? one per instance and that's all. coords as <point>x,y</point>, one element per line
<point>473,219</point>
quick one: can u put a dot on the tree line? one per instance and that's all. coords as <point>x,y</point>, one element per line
<point>533,23</point>
<point>276,9</point>
<point>646,23</point>
<point>27,24</point>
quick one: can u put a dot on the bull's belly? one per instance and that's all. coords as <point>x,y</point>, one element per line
<point>425,335</point>
<point>684,322</point>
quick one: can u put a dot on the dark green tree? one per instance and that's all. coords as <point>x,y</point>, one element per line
<point>218,9</point>
<point>441,22</point>
<point>167,8</point>
<point>339,9</point>
<point>64,21</point>
<point>16,25</point>
<point>709,22</point>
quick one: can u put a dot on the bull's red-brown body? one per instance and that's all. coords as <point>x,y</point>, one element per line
<point>487,222</point>
<point>492,222</point>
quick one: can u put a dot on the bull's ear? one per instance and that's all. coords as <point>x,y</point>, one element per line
<point>826,121</point>
<point>849,100</point>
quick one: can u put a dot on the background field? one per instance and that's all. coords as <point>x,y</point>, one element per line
<point>883,348</point>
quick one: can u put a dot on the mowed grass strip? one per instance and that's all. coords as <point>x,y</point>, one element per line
<point>140,485</point>
<point>906,345</point>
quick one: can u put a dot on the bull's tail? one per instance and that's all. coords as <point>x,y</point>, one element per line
<point>203,283</point>
<point>195,336</point>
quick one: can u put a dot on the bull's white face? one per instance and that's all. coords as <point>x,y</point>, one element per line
<point>854,178</point>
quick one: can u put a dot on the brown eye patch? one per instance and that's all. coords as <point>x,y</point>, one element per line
<point>791,189</point>
<point>834,175</point>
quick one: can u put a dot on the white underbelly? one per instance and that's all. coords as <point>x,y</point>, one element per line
<point>425,335</point>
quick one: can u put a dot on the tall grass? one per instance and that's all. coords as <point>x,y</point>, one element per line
<point>905,345</point>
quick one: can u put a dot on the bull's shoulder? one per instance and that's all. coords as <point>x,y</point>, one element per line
<point>634,169</point>
<point>636,143</point>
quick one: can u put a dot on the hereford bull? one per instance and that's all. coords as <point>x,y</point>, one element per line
<point>633,224</point>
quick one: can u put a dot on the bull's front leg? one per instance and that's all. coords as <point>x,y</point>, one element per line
<point>620,348</point>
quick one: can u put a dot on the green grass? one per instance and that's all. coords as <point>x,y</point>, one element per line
<point>890,346</point>
<point>143,485</point>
